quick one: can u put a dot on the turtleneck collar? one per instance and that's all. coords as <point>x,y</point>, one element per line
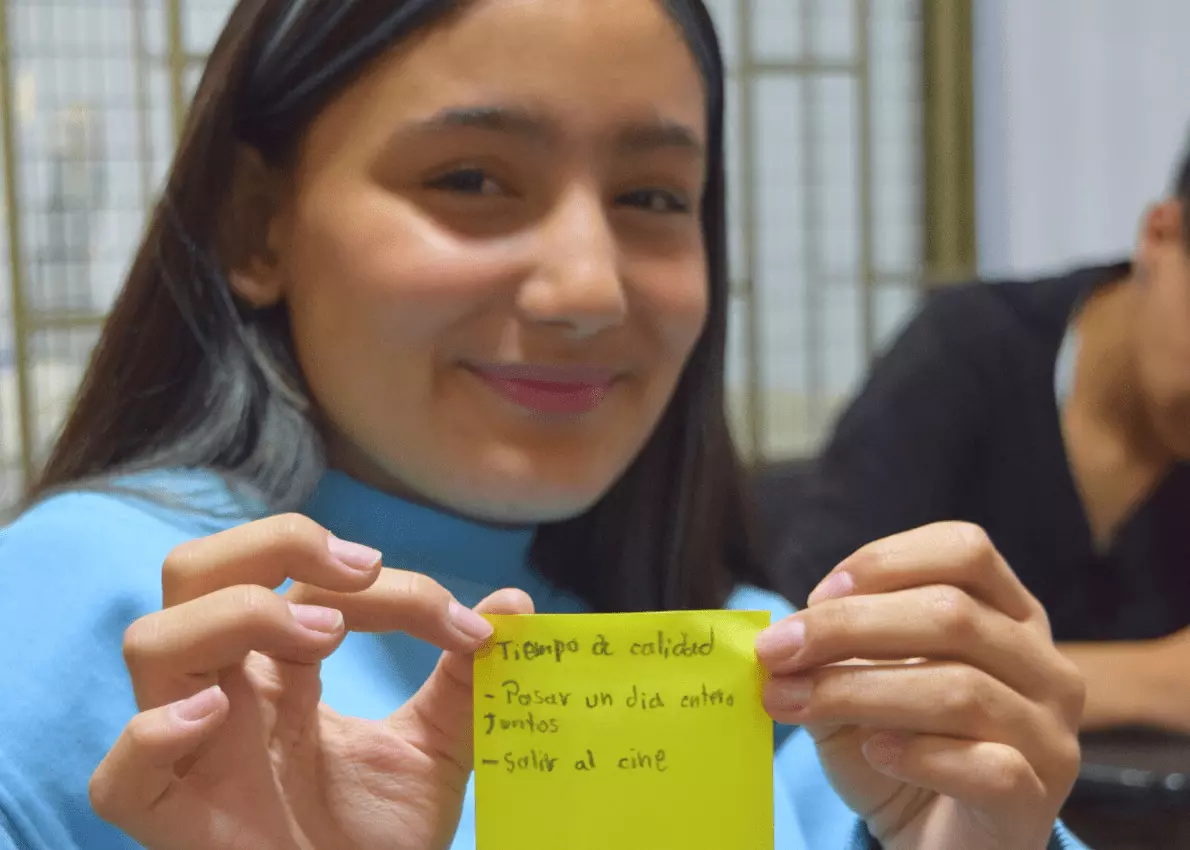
<point>421,538</point>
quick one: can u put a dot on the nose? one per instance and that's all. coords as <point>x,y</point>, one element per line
<point>577,281</point>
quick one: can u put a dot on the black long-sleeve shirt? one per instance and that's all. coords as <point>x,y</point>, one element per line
<point>959,421</point>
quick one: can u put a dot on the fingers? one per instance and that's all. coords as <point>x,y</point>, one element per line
<point>952,700</point>
<point>506,601</point>
<point>267,553</point>
<point>328,572</point>
<point>984,709</point>
<point>438,718</point>
<point>938,622</point>
<point>407,602</point>
<point>135,780</point>
<point>176,651</point>
<point>949,553</point>
<point>989,777</point>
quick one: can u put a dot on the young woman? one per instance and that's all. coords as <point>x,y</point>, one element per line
<point>445,281</point>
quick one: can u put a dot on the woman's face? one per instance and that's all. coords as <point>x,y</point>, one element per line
<point>493,258</point>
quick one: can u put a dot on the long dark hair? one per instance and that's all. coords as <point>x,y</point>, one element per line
<point>186,376</point>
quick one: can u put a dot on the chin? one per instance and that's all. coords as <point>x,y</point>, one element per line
<point>519,498</point>
<point>526,508</point>
<point>519,485</point>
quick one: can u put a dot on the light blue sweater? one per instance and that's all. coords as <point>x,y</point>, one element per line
<point>79,568</point>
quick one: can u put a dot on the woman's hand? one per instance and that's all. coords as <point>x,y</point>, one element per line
<point>233,749</point>
<point>927,675</point>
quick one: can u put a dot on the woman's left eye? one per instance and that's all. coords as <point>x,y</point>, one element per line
<point>657,201</point>
<point>467,181</point>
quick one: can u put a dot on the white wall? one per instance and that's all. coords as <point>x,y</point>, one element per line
<point>1082,109</point>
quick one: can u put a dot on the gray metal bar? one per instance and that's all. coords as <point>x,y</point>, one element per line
<point>754,373</point>
<point>811,210</point>
<point>948,140</point>
<point>867,261</point>
<point>177,65</point>
<point>16,262</point>
<point>142,66</point>
<point>805,66</point>
<point>62,321</point>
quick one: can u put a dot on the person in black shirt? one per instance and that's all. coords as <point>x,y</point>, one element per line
<point>1055,414</point>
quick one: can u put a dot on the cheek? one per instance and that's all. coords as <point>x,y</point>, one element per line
<point>679,299</point>
<point>1163,365</point>
<point>1165,318</point>
<point>379,277</point>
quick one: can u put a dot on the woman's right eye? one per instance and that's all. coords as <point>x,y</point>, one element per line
<point>467,181</point>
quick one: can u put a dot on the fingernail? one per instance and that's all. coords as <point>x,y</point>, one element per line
<point>354,556</point>
<point>318,619</point>
<point>834,586</point>
<point>468,622</point>
<point>785,638</point>
<point>202,704</point>
<point>792,693</point>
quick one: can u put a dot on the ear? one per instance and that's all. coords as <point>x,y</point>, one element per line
<point>252,230</point>
<point>1162,226</point>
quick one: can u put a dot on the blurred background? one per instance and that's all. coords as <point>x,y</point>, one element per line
<point>877,148</point>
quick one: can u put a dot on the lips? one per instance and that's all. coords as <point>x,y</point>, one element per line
<point>556,390</point>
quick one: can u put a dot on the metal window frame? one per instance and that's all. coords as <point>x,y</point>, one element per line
<point>22,327</point>
<point>26,322</point>
<point>748,70</point>
<point>948,140</point>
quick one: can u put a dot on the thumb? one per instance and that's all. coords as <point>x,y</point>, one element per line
<point>438,719</point>
<point>132,786</point>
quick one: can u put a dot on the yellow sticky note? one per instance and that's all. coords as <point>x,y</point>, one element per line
<point>623,731</point>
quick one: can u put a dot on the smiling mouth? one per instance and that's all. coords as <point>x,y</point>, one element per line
<point>554,390</point>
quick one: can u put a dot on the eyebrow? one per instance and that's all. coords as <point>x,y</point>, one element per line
<point>634,138</point>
